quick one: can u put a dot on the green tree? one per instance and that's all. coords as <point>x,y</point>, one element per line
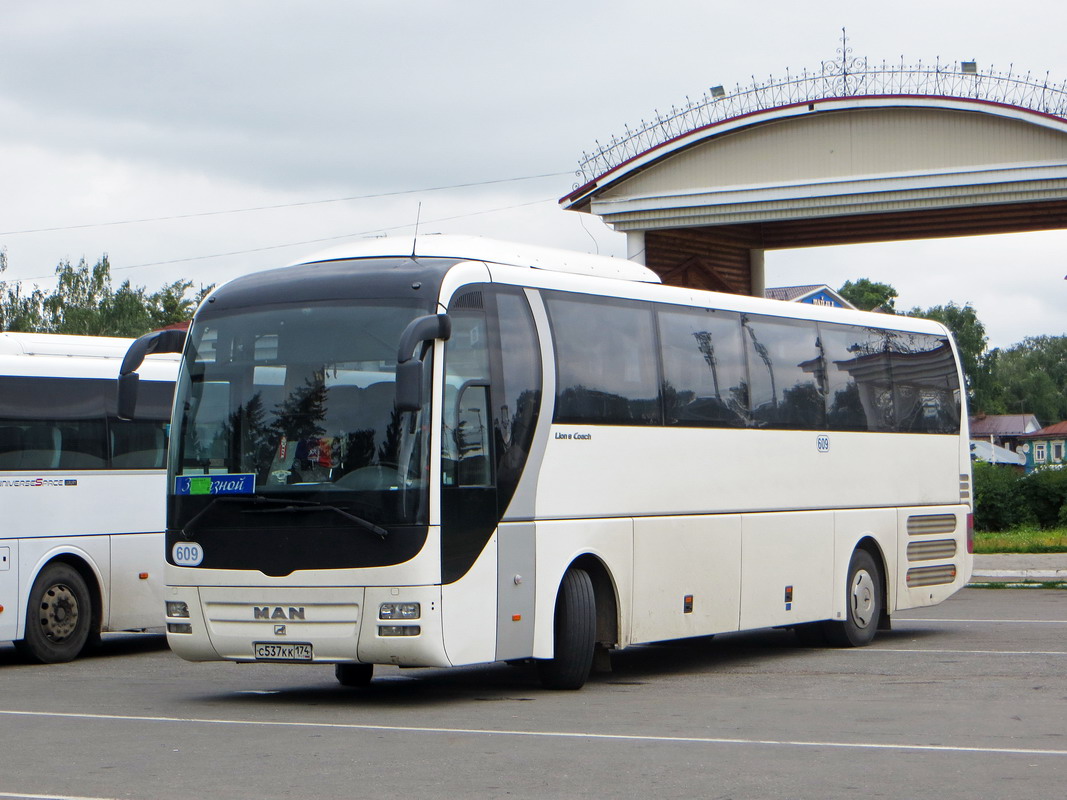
<point>1031,378</point>
<point>19,311</point>
<point>867,295</point>
<point>85,303</point>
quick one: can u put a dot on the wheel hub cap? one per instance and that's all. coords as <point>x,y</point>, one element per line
<point>862,598</point>
<point>59,612</point>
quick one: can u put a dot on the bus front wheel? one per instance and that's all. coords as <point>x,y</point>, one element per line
<point>864,603</point>
<point>353,675</point>
<point>575,634</point>
<point>59,615</point>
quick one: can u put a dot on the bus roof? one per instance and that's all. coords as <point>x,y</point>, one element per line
<point>477,248</point>
<point>55,344</point>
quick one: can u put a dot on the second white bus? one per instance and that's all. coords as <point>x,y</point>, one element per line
<point>81,493</point>
<point>482,452</point>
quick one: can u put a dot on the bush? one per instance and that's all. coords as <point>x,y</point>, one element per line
<point>1005,499</point>
<point>1045,494</point>
<point>999,502</point>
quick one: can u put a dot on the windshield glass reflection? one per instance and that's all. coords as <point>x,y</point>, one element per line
<point>300,400</point>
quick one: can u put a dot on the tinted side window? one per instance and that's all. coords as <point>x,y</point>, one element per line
<point>467,417</point>
<point>53,423</point>
<point>859,385</point>
<point>786,372</point>
<point>141,443</point>
<point>704,383</point>
<point>926,390</point>
<point>607,371</point>
<point>517,406</point>
<point>63,423</point>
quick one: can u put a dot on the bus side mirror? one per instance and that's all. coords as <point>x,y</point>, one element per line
<point>128,395</point>
<point>421,332</point>
<point>171,341</point>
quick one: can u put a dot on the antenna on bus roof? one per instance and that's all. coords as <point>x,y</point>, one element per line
<point>415,236</point>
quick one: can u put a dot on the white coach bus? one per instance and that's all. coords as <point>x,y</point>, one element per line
<point>81,530</point>
<point>474,452</point>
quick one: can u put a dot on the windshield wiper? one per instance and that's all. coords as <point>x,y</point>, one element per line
<point>311,505</point>
<point>187,528</point>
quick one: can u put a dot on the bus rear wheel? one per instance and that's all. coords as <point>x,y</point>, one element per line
<point>353,675</point>
<point>575,634</point>
<point>864,603</point>
<point>59,615</point>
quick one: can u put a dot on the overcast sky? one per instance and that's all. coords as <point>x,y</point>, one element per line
<point>345,115</point>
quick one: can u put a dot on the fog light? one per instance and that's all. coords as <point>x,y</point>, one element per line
<point>400,611</point>
<point>177,609</point>
<point>399,630</point>
<point>179,627</point>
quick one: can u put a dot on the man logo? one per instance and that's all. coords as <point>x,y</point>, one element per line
<point>277,612</point>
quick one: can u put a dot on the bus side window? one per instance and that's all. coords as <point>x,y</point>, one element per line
<point>786,372</point>
<point>606,364</point>
<point>472,436</point>
<point>466,416</point>
<point>704,382</point>
<point>925,384</point>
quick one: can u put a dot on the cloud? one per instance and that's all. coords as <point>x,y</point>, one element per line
<point>123,110</point>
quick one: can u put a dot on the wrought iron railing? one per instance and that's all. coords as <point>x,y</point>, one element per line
<point>842,77</point>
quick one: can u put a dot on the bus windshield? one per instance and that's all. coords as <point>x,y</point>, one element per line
<point>298,402</point>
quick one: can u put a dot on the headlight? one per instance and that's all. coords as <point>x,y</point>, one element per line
<point>178,609</point>
<point>399,611</point>
<point>399,630</point>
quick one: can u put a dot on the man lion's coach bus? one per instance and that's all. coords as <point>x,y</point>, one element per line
<point>81,528</point>
<point>473,452</point>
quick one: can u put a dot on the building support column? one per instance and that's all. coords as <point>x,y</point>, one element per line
<point>758,274</point>
<point>635,246</point>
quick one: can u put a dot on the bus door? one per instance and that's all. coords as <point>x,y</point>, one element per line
<point>490,403</point>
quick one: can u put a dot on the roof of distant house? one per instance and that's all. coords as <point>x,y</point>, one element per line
<point>1003,425</point>
<point>1059,429</point>
<point>984,451</point>
<point>792,292</point>
<point>800,293</point>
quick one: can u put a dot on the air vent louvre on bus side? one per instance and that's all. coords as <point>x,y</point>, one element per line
<point>932,550</point>
<point>468,300</point>
<point>931,576</point>
<point>924,524</point>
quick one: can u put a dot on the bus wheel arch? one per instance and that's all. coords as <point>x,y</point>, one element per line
<point>607,604</point>
<point>866,598</point>
<point>63,612</point>
<point>585,622</point>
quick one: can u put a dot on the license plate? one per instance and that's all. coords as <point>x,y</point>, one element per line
<point>289,651</point>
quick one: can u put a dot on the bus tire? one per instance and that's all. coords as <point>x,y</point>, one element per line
<point>863,598</point>
<point>575,634</point>
<point>59,616</point>
<point>353,675</point>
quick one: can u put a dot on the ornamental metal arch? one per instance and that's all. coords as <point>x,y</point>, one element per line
<point>816,158</point>
<point>845,78</point>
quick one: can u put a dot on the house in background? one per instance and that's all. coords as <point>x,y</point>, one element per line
<point>1044,447</point>
<point>818,294</point>
<point>995,454</point>
<point>1003,430</point>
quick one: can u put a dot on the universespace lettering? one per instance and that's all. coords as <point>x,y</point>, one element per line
<point>6,483</point>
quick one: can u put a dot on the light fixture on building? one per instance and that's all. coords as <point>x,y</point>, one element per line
<point>718,92</point>
<point>969,67</point>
